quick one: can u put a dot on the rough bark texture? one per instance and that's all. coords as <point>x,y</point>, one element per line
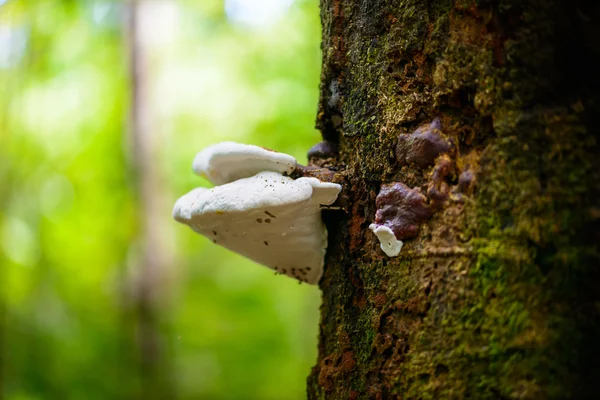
<point>497,295</point>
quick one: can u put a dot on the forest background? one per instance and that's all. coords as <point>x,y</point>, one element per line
<point>76,320</point>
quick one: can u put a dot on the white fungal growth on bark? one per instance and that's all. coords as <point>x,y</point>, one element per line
<point>387,240</point>
<point>263,215</point>
<point>227,161</point>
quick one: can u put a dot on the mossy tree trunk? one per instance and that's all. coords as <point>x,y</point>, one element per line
<point>497,296</point>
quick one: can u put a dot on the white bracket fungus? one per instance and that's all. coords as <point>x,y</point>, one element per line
<point>387,240</point>
<point>228,161</point>
<point>258,212</point>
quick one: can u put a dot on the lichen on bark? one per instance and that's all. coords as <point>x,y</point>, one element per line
<point>495,297</point>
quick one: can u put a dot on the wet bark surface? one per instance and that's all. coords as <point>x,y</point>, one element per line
<point>486,109</point>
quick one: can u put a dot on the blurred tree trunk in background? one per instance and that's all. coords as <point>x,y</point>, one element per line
<point>497,296</point>
<point>147,281</point>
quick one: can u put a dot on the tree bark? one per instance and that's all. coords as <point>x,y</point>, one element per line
<point>497,294</point>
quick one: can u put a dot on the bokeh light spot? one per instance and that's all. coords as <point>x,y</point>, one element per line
<point>256,13</point>
<point>18,242</point>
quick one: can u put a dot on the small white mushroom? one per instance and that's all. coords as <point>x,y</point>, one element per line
<point>387,240</point>
<point>267,217</point>
<point>228,161</point>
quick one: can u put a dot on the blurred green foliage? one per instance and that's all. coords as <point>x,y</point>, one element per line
<point>70,216</point>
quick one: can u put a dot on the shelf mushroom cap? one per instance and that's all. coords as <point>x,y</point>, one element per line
<point>269,218</point>
<point>228,161</point>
